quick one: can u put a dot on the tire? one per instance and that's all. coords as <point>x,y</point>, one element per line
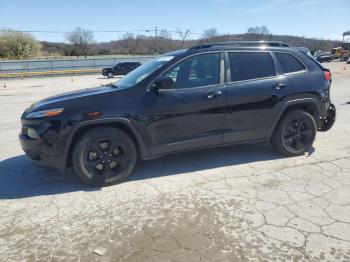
<point>110,75</point>
<point>104,156</point>
<point>295,133</point>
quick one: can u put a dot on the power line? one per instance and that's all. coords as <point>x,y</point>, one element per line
<point>98,31</point>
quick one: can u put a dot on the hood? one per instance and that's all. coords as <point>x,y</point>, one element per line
<point>62,99</point>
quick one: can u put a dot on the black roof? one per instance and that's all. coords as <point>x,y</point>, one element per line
<point>241,44</point>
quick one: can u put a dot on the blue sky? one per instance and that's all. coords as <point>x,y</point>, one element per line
<point>311,18</point>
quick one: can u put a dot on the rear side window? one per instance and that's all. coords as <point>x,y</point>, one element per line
<point>289,63</point>
<point>250,65</point>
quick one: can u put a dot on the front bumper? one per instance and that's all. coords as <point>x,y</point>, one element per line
<point>329,120</point>
<point>33,150</point>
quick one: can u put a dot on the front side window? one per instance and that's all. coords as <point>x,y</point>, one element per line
<point>196,71</point>
<point>143,71</point>
<point>289,63</point>
<point>250,65</point>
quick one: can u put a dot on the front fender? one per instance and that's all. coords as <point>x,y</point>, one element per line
<point>144,152</point>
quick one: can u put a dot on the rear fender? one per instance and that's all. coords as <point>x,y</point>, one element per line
<point>291,103</point>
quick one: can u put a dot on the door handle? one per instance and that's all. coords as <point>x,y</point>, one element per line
<point>214,94</point>
<point>278,86</point>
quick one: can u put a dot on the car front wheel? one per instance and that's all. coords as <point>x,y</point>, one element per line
<point>295,134</point>
<point>110,75</point>
<point>104,156</point>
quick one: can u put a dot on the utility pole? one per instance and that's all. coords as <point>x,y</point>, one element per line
<point>156,40</point>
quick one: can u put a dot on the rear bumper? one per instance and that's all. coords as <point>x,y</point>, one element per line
<point>329,120</point>
<point>32,149</point>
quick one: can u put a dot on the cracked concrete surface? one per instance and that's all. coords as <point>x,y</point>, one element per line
<point>237,203</point>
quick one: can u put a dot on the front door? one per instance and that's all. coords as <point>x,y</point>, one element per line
<point>192,114</point>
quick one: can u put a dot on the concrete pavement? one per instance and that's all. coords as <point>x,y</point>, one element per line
<point>241,203</point>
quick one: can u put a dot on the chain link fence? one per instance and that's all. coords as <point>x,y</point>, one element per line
<point>65,64</point>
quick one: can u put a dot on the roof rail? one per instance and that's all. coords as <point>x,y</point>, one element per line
<point>242,43</point>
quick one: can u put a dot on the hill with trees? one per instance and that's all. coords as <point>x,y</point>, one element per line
<point>18,45</point>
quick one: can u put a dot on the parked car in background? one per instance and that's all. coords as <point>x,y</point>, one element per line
<point>120,69</point>
<point>345,55</point>
<point>324,57</point>
<point>207,96</point>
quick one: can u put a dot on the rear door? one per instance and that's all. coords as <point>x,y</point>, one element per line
<point>254,95</point>
<point>117,70</point>
<point>129,67</point>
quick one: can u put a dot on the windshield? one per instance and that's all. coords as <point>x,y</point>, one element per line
<point>140,73</point>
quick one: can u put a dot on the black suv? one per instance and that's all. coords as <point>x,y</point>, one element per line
<point>120,69</point>
<point>324,57</point>
<point>206,96</point>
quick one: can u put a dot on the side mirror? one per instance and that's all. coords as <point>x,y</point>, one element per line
<point>163,83</point>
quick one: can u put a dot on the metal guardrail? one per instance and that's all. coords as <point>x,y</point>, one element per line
<point>25,66</point>
<point>49,73</point>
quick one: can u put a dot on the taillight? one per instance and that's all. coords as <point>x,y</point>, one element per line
<point>327,75</point>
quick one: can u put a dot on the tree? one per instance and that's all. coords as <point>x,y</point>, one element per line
<point>81,40</point>
<point>183,35</point>
<point>132,42</point>
<point>210,32</point>
<point>3,48</point>
<point>319,44</point>
<point>258,32</point>
<point>18,45</point>
<point>165,41</point>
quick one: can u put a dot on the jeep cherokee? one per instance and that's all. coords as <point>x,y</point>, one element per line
<point>206,96</point>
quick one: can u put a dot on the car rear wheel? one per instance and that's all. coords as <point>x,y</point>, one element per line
<point>295,134</point>
<point>110,75</point>
<point>104,156</point>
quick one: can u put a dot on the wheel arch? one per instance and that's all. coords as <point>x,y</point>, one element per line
<point>310,105</point>
<point>121,123</point>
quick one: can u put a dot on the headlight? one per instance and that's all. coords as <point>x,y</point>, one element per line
<point>45,113</point>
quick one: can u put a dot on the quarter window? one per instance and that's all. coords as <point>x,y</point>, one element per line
<point>289,63</point>
<point>196,71</point>
<point>250,65</point>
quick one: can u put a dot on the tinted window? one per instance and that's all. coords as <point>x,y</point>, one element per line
<point>142,72</point>
<point>250,65</point>
<point>289,63</point>
<point>199,70</point>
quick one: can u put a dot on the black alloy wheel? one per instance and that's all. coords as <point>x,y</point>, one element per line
<point>295,134</point>
<point>104,156</point>
<point>298,134</point>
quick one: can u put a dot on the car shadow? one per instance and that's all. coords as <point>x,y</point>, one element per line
<point>203,160</point>
<point>21,179</point>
